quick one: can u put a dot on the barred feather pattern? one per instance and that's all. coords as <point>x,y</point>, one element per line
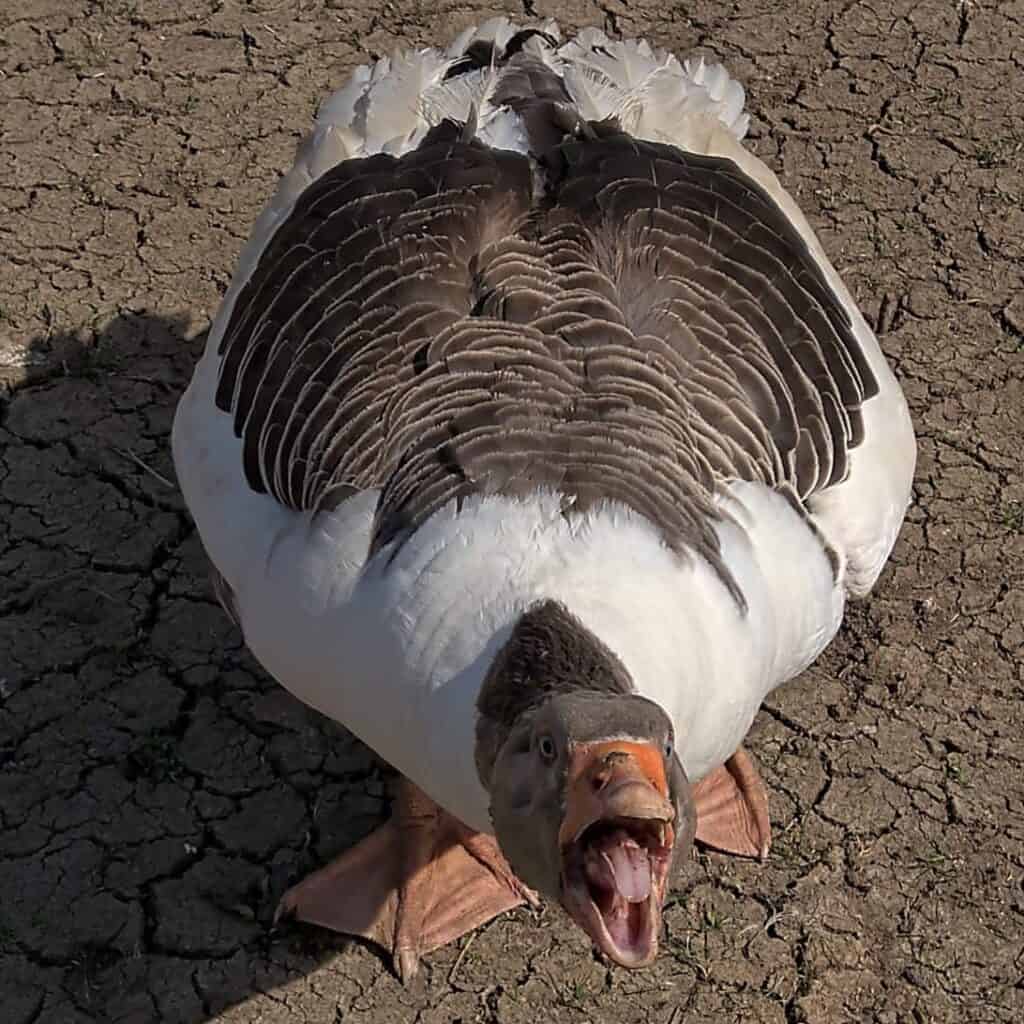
<point>602,317</point>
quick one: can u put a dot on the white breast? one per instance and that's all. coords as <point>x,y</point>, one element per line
<point>398,652</point>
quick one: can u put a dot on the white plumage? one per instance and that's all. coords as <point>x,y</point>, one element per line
<point>396,649</point>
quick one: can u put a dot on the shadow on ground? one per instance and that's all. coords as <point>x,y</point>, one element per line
<point>158,791</point>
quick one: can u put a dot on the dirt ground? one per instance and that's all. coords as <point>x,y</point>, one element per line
<point>157,791</point>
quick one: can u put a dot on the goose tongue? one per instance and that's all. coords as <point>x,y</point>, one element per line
<point>618,863</point>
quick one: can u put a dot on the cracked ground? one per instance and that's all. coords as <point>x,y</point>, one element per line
<point>158,792</point>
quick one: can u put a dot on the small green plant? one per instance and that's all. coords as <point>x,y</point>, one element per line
<point>714,920</point>
<point>1011,515</point>
<point>986,156</point>
<point>572,993</point>
<point>580,991</point>
<point>956,771</point>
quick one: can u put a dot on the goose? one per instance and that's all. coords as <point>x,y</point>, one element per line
<point>536,441</point>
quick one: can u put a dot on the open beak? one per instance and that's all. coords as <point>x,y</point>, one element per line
<point>617,839</point>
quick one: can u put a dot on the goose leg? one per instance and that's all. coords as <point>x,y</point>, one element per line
<point>732,809</point>
<point>419,881</point>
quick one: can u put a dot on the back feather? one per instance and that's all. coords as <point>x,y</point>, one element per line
<point>418,286</point>
<point>389,107</point>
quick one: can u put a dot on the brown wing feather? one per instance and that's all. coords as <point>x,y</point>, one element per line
<point>647,327</point>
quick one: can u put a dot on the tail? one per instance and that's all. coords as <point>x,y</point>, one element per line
<point>389,107</point>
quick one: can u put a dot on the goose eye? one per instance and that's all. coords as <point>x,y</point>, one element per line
<point>546,748</point>
<point>668,749</point>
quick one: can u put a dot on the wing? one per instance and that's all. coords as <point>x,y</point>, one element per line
<point>613,320</point>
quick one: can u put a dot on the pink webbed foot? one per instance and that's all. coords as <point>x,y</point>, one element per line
<point>732,809</point>
<point>418,882</point>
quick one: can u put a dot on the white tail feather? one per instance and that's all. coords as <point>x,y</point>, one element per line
<point>651,94</point>
<point>389,107</point>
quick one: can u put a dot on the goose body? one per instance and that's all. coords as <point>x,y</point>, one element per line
<point>527,322</point>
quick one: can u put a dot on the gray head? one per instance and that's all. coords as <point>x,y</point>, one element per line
<point>589,802</point>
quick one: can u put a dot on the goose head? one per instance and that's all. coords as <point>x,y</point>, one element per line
<point>589,802</point>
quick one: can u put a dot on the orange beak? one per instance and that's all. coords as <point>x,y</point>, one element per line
<point>613,780</point>
<point>617,841</point>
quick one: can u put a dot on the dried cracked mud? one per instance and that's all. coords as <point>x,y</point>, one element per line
<point>157,791</point>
